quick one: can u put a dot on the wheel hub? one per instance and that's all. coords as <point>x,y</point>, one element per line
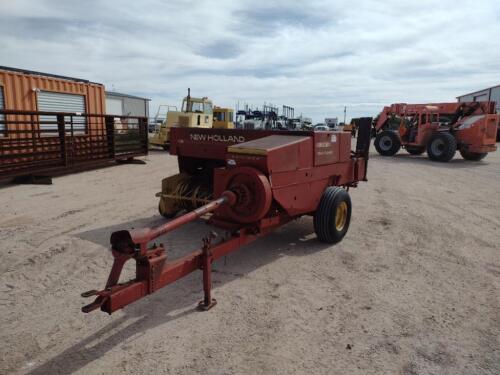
<point>438,147</point>
<point>386,143</point>
<point>341,216</point>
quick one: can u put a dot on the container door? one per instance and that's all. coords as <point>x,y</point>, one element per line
<point>59,102</point>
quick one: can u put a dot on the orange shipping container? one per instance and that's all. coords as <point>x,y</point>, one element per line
<point>22,90</point>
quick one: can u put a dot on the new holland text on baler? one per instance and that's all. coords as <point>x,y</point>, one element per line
<point>252,182</point>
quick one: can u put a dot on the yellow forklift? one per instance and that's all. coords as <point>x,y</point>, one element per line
<point>194,113</point>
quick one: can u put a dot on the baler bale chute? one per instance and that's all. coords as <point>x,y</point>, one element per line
<point>251,182</point>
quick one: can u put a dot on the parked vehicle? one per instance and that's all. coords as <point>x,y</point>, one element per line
<point>321,127</point>
<point>438,128</point>
<point>195,112</point>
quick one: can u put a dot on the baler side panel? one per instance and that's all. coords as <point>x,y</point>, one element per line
<point>278,152</point>
<point>327,147</point>
<point>307,185</point>
<point>291,157</point>
<point>302,198</point>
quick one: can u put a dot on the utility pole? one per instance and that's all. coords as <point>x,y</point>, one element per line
<point>345,111</point>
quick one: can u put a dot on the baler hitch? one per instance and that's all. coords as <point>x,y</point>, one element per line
<point>152,269</point>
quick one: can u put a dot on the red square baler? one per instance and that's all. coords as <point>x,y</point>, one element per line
<point>250,182</point>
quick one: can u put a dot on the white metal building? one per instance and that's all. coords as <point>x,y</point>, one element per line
<point>126,105</point>
<point>491,94</point>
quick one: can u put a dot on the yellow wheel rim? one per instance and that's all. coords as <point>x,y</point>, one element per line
<point>341,216</point>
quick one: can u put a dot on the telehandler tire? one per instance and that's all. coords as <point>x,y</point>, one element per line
<point>415,151</point>
<point>387,143</point>
<point>442,147</point>
<point>333,215</point>
<point>474,156</point>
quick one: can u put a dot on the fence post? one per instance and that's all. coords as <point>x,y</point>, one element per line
<point>110,135</point>
<point>62,139</point>
<point>143,121</point>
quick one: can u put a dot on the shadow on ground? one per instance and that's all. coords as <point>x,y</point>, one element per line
<point>48,177</point>
<point>295,239</point>
<point>456,163</point>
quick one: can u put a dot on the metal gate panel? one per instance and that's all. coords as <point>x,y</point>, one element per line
<point>60,102</point>
<point>2,116</point>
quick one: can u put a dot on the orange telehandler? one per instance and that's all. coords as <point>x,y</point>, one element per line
<point>438,128</point>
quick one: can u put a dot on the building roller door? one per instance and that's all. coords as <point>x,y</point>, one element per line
<point>114,107</point>
<point>59,102</point>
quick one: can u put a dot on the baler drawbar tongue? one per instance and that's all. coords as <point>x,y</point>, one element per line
<point>152,270</point>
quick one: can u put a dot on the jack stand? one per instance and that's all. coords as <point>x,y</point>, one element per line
<point>208,302</point>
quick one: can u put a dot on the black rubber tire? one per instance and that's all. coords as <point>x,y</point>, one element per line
<point>442,147</point>
<point>325,215</point>
<point>387,143</point>
<point>474,156</point>
<point>415,151</point>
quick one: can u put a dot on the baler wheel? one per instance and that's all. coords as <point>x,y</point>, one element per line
<point>474,156</point>
<point>387,143</point>
<point>332,218</point>
<point>442,147</point>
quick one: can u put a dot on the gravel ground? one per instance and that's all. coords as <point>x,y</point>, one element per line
<point>412,289</point>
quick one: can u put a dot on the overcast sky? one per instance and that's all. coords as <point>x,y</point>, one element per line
<point>317,56</point>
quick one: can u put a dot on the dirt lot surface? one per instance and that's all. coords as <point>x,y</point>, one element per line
<point>414,288</point>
